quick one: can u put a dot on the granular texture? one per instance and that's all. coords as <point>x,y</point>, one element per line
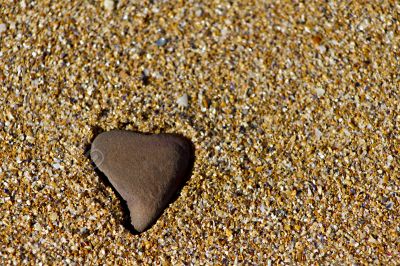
<point>293,109</point>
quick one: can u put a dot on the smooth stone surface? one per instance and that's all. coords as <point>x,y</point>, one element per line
<point>146,170</point>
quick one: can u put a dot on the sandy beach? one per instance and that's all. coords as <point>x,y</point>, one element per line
<point>293,110</point>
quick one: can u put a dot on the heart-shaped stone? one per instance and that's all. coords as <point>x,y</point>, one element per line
<point>146,170</point>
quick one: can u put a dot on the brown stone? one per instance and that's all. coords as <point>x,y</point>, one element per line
<point>146,170</point>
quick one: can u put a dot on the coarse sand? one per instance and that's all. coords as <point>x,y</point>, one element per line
<point>293,109</point>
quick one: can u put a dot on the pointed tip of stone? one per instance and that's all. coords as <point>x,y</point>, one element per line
<point>146,170</point>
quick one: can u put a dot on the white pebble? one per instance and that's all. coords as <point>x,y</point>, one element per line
<point>10,250</point>
<point>389,160</point>
<point>322,49</point>
<point>363,25</point>
<point>12,25</point>
<point>23,4</point>
<point>3,28</point>
<point>320,92</point>
<point>183,100</point>
<point>37,227</point>
<point>199,12</point>
<point>318,133</point>
<point>109,5</point>
<point>262,208</point>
